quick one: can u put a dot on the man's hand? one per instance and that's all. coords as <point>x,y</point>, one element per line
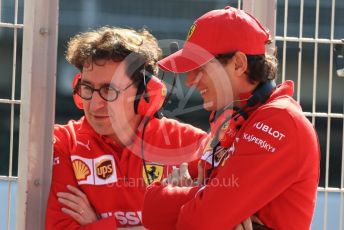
<point>181,176</point>
<point>77,205</point>
<point>245,225</point>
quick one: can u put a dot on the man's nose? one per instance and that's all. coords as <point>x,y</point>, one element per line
<point>97,102</point>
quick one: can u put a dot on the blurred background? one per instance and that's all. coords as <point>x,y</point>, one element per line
<point>171,20</point>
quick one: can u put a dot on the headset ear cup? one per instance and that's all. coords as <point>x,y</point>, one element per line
<point>77,99</point>
<point>139,95</point>
<point>152,98</point>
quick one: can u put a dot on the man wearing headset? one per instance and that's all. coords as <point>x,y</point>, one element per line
<point>103,162</point>
<point>263,157</point>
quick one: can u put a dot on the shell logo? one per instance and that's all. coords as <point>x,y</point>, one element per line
<point>81,170</point>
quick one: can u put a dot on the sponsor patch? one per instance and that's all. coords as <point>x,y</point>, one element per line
<point>261,143</point>
<point>231,151</point>
<point>269,130</point>
<point>219,154</point>
<point>81,170</point>
<point>97,171</point>
<point>154,171</point>
<point>125,218</point>
<point>104,169</point>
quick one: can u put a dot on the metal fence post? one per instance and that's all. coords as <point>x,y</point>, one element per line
<point>265,12</point>
<point>37,111</point>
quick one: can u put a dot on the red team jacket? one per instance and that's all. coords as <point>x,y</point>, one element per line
<point>113,177</point>
<point>271,170</point>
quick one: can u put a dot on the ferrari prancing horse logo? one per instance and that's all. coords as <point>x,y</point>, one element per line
<point>154,172</point>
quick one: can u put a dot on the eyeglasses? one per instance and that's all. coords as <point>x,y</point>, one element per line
<point>106,92</point>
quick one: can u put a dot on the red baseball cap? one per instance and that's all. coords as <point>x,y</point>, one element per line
<point>218,32</point>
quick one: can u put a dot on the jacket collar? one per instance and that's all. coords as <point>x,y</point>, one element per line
<point>284,89</point>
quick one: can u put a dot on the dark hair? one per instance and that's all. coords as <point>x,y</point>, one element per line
<point>260,68</point>
<point>139,48</point>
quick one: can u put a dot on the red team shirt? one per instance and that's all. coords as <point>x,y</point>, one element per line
<point>272,169</point>
<point>112,177</point>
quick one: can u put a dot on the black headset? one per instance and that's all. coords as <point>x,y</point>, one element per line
<point>259,96</point>
<point>261,93</point>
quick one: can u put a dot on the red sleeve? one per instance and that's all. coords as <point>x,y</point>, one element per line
<point>63,175</point>
<point>263,164</point>
<point>156,215</point>
<point>170,142</point>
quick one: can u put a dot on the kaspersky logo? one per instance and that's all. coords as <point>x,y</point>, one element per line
<point>81,170</point>
<point>104,169</point>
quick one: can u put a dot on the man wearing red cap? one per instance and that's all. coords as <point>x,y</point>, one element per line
<point>103,162</point>
<point>263,157</point>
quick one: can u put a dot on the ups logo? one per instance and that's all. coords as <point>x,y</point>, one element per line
<point>104,169</point>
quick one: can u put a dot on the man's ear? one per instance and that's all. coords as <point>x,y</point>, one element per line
<point>240,63</point>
